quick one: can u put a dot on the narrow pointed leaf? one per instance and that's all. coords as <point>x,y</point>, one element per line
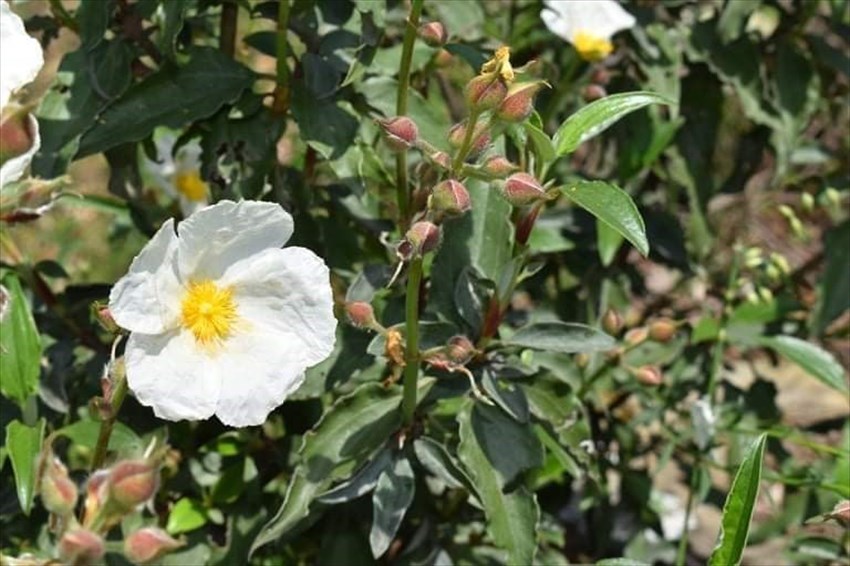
<point>20,346</point>
<point>392,497</point>
<point>563,337</point>
<point>816,361</point>
<point>360,483</point>
<point>23,444</point>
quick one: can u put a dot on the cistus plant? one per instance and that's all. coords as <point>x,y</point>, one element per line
<point>448,300</point>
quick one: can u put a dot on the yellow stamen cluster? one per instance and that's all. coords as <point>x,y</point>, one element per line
<point>501,64</point>
<point>190,185</point>
<point>208,311</point>
<point>591,47</point>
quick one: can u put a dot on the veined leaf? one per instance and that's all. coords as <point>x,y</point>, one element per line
<point>20,345</point>
<point>563,337</point>
<point>817,362</point>
<point>24,445</point>
<point>392,497</point>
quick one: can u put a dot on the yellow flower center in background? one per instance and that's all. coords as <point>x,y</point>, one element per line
<point>208,311</point>
<point>190,185</point>
<point>500,63</point>
<point>592,47</point>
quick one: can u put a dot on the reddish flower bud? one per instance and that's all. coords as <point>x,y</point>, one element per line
<point>480,137</point>
<point>360,314</point>
<point>132,482</point>
<point>593,92</point>
<point>443,58</point>
<point>485,92</point>
<point>500,167</point>
<point>17,133</point>
<point>459,349</point>
<point>58,492</point>
<point>423,237</point>
<point>612,322</point>
<point>441,159</point>
<point>522,189</point>
<point>450,197</point>
<point>149,544</point>
<point>400,132</point>
<point>103,316</point>
<point>81,547</point>
<point>96,493</point>
<point>649,375</point>
<point>433,34</point>
<point>636,335</point>
<point>662,330</point>
<point>519,102</point>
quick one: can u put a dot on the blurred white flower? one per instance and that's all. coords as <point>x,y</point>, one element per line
<point>587,24</point>
<point>703,419</point>
<point>20,60</point>
<point>222,320</point>
<point>177,174</point>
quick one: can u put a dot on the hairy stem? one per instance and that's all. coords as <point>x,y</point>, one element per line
<point>411,350</point>
<point>466,145</point>
<point>107,424</point>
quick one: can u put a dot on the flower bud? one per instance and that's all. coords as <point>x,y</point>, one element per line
<point>433,34</point>
<point>450,197</point>
<point>443,58</point>
<point>841,512</point>
<point>423,237</point>
<point>519,102</point>
<point>807,201</point>
<point>499,167</point>
<point>522,189</point>
<point>400,132</point>
<point>662,330</point>
<point>17,133</point>
<point>459,349</point>
<point>612,322</point>
<point>636,335</point>
<point>80,547</point>
<point>485,92</point>
<point>593,92</point>
<point>96,492</point>
<point>103,316</point>
<point>581,359</point>
<point>58,491</point>
<point>149,544</point>
<point>480,137</point>
<point>132,482</point>
<point>360,314</point>
<point>649,375</point>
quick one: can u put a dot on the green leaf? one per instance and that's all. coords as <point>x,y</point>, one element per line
<point>543,147</point>
<point>563,337</point>
<point>328,127</point>
<point>346,437</point>
<point>511,517</point>
<point>512,448</point>
<point>392,497</point>
<point>173,97</point>
<point>360,483</point>
<point>507,395</point>
<point>598,116</point>
<point>815,361</point>
<point>85,434</point>
<point>608,241</point>
<point>23,444</point>
<point>834,285</point>
<point>186,515</point>
<point>738,509</point>
<point>20,345</point>
<point>613,206</point>
<point>436,459</point>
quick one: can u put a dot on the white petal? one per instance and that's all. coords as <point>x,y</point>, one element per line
<point>14,168</point>
<point>600,18</point>
<point>213,239</point>
<point>556,16</point>
<point>20,57</point>
<point>147,299</point>
<point>289,292</point>
<point>171,374</point>
<point>258,372</point>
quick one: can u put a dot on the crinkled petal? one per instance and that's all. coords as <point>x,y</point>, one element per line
<point>258,368</point>
<point>14,168</point>
<point>172,374</point>
<point>213,239</point>
<point>20,56</point>
<point>556,16</point>
<point>147,299</point>
<point>600,18</point>
<point>287,290</point>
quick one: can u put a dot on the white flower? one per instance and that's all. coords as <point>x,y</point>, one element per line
<point>587,24</point>
<point>179,176</point>
<point>20,60</point>
<point>222,320</point>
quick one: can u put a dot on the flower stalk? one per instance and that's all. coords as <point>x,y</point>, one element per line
<point>117,399</point>
<point>411,350</point>
<point>466,144</point>
<point>227,30</point>
<point>281,92</point>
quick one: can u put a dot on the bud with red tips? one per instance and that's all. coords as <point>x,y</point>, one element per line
<point>400,132</point>
<point>522,189</point>
<point>433,34</point>
<point>480,137</point>
<point>148,545</point>
<point>81,547</point>
<point>450,198</point>
<point>58,492</point>
<point>17,133</point>
<point>519,102</point>
<point>132,482</point>
<point>649,375</point>
<point>422,238</point>
<point>485,92</point>
<point>360,314</point>
<point>499,167</point>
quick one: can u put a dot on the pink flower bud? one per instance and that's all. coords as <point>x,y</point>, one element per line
<point>450,197</point>
<point>480,137</point>
<point>636,335</point>
<point>612,322</point>
<point>433,34</point>
<point>593,92</point>
<point>522,189</point>
<point>423,237</point>
<point>649,375</point>
<point>81,547</point>
<point>17,134</point>
<point>485,92</point>
<point>662,330</point>
<point>519,102</point>
<point>149,544</point>
<point>132,482</point>
<point>400,132</point>
<point>459,349</point>
<point>360,314</point>
<point>58,492</point>
<point>499,167</point>
<point>96,493</point>
<point>104,317</point>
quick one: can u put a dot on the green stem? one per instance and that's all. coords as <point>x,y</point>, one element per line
<point>227,35</point>
<point>107,424</point>
<point>465,146</point>
<point>61,14</point>
<point>411,350</point>
<point>682,553</point>
<point>402,193</point>
<point>719,345</point>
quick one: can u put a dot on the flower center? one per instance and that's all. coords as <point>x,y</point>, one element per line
<point>591,47</point>
<point>190,185</point>
<point>501,64</point>
<point>209,311</point>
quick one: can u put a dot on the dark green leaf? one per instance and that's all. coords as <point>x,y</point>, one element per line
<point>613,206</point>
<point>437,460</point>
<point>392,497</point>
<point>360,483</point>
<point>834,287</point>
<point>738,509</point>
<point>815,361</point>
<point>23,444</point>
<point>598,116</point>
<point>507,395</point>
<point>512,448</point>
<point>563,337</point>
<point>325,125</point>
<point>20,345</point>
